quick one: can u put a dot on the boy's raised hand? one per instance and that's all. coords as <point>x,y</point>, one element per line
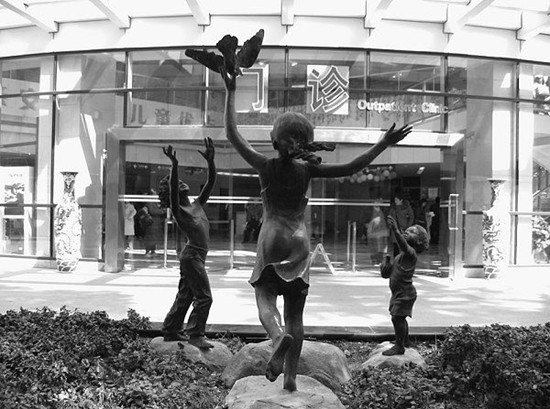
<point>171,153</point>
<point>208,153</point>
<point>392,136</point>
<point>391,222</point>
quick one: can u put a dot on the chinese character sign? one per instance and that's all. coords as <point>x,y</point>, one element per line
<point>328,89</point>
<point>252,89</point>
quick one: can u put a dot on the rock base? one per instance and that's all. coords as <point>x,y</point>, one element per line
<point>410,358</point>
<point>256,392</point>
<point>215,358</point>
<point>321,361</point>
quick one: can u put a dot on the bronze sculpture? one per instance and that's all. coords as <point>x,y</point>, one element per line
<point>194,286</point>
<point>283,250</point>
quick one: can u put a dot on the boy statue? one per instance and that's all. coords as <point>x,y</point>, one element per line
<point>194,286</point>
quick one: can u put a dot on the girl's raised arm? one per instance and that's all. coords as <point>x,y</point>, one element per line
<point>392,136</point>
<point>249,154</point>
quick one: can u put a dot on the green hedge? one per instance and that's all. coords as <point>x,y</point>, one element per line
<point>69,359</point>
<point>493,367</point>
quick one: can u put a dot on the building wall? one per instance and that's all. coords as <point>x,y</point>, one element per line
<point>80,119</point>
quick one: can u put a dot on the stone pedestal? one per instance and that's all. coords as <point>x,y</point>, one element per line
<point>67,226</point>
<point>324,362</point>
<point>215,358</point>
<point>256,392</point>
<point>410,358</point>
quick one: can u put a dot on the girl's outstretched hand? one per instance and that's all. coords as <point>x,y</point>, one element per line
<point>392,136</point>
<point>171,153</point>
<point>208,153</point>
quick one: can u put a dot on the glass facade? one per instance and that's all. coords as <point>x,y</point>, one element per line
<point>473,118</point>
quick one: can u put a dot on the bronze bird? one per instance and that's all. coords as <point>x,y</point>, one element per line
<point>246,57</point>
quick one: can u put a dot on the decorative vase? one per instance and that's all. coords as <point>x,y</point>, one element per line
<point>67,226</point>
<point>494,230</point>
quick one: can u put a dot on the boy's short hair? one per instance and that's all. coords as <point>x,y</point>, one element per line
<point>421,243</point>
<point>292,124</point>
<point>164,190</point>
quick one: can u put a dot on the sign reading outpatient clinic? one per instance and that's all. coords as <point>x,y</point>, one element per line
<point>329,94</point>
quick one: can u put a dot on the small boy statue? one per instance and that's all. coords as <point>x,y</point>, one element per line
<point>411,242</point>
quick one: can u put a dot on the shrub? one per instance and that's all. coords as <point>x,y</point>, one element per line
<point>70,359</point>
<point>506,367</point>
<point>389,388</point>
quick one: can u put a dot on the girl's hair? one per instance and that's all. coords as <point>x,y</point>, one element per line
<point>292,124</point>
<point>421,243</point>
<point>164,190</point>
<point>297,126</point>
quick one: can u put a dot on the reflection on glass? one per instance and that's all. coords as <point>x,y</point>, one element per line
<point>476,76</point>
<point>394,71</point>
<point>27,75</point>
<point>309,65</point>
<point>423,112</point>
<point>90,71</point>
<point>92,219</point>
<point>165,107</point>
<point>25,169</point>
<point>165,69</point>
<point>541,239</point>
<point>273,106</point>
<point>348,113</point>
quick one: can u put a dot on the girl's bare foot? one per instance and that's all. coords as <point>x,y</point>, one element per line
<point>276,362</point>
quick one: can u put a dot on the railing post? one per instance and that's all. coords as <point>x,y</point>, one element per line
<point>348,236</point>
<point>353,245</point>
<point>231,243</point>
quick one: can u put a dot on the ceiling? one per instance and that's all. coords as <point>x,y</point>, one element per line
<point>528,18</point>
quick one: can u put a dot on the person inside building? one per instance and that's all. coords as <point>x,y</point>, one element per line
<point>253,222</point>
<point>283,249</point>
<point>377,235</point>
<point>434,226</point>
<point>194,286</point>
<point>129,228</point>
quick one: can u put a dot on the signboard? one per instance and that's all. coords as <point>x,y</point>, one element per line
<point>328,89</point>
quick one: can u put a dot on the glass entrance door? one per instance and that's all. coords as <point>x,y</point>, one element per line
<point>345,216</point>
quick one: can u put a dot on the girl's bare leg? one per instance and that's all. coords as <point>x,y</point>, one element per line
<point>266,300</point>
<point>294,310</point>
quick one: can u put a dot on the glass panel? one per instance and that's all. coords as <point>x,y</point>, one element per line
<point>145,166</point>
<point>165,107</point>
<point>259,98</point>
<point>396,72</point>
<point>309,67</point>
<point>423,112</point>
<point>348,115</point>
<point>92,222</point>
<point>537,77</point>
<point>25,229</point>
<point>27,75</point>
<point>25,172</point>
<point>91,71</point>
<point>540,237</point>
<point>475,76</point>
<point>216,109</point>
<point>178,100</point>
<point>533,185</point>
<point>82,122</point>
